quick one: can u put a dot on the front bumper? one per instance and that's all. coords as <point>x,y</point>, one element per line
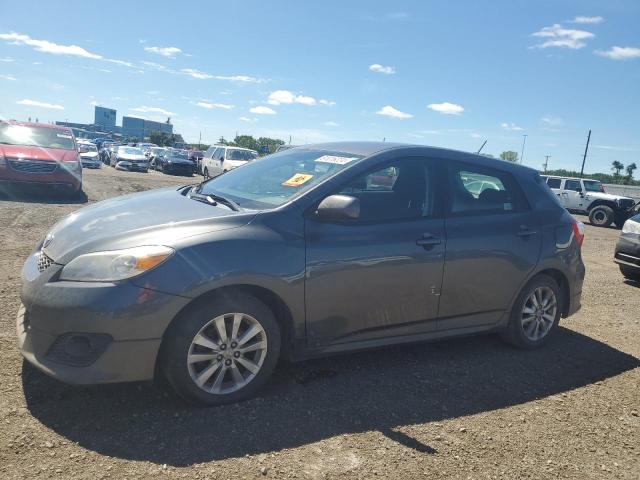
<point>61,177</point>
<point>120,324</point>
<point>628,250</point>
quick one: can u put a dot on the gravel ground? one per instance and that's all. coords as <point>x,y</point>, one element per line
<point>468,408</point>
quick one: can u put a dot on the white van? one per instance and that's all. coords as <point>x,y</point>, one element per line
<point>221,158</point>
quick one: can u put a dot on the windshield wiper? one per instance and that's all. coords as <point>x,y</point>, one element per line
<point>213,199</point>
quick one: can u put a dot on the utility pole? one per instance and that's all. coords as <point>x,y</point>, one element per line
<point>584,158</point>
<point>481,147</point>
<point>199,140</point>
<point>546,162</point>
<point>524,140</point>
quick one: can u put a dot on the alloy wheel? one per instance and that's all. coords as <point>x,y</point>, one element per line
<point>539,313</point>
<point>227,353</point>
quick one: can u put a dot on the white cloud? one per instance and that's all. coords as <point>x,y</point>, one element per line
<point>511,127</point>
<point>262,110</point>
<point>248,120</point>
<point>46,46</point>
<point>446,108</point>
<point>210,106</point>
<point>331,124</point>
<point>36,103</point>
<point>240,78</point>
<point>561,37</point>
<point>587,20</point>
<point>169,52</point>
<point>376,67</point>
<point>475,135</point>
<point>551,121</point>
<point>279,97</point>
<point>93,103</point>
<point>619,53</point>
<point>389,111</point>
<point>8,77</point>
<point>145,109</point>
<point>192,72</point>
<point>6,59</point>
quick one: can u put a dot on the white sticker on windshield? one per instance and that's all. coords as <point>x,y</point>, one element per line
<point>334,159</point>
<point>63,135</point>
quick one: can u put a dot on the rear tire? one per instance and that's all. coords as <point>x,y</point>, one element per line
<point>630,273</point>
<point>197,334</point>
<point>601,216</point>
<point>535,313</point>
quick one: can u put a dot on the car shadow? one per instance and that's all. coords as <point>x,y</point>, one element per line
<point>40,194</point>
<point>381,390</point>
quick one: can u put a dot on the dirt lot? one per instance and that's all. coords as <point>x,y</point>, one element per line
<point>470,408</point>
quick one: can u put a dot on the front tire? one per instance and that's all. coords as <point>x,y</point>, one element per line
<point>601,216</point>
<point>221,351</point>
<point>535,313</point>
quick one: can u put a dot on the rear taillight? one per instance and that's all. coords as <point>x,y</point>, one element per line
<point>578,232</point>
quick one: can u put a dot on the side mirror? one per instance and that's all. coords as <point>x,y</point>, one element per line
<point>339,207</point>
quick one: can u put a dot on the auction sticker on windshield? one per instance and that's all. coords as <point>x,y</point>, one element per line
<point>297,180</point>
<point>335,159</point>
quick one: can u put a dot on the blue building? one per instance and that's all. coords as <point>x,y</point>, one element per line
<point>141,128</point>
<point>105,117</point>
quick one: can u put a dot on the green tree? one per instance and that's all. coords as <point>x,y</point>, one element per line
<point>630,169</point>
<point>161,139</point>
<point>617,167</point>
<point>509,156</point>
<point>246,141</point>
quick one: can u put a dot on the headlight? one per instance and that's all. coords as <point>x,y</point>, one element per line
<point>631,226</point>
<point>114,265</point>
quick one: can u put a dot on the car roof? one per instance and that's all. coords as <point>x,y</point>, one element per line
<point>37,125</point>
<point>367,149</point>
<point>571,178</point>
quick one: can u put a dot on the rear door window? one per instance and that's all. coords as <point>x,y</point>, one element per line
<point>554,182</point>
<point>573,185</point>
<point>479,191</point>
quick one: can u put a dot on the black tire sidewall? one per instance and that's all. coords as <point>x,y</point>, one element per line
<point>515,333</point>
<point>630,273</point>
<point>609,215</point>
<point>178,340</point>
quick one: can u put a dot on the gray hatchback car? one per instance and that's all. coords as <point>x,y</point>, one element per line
<point>313,251</point>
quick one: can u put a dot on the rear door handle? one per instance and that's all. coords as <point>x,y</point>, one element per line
<point>428,241</point>
<point>526,231</point>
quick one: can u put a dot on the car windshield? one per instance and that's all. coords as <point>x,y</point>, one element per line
<point>276,179</point>
<point>245,155</point>
<point>84,148</point>
<point>179,155</point>
<point>130,151</point>
<point>157,151</point>
<point>36,137</point>
<point>593,186</point>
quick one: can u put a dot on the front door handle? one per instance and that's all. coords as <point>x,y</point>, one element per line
<point>428,241</point>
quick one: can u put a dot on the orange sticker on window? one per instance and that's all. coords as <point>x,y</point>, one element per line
<point>297,180</point>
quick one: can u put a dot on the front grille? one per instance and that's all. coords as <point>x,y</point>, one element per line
<point>626,203</point>
<point>33,166</point>
<point>44,261</point>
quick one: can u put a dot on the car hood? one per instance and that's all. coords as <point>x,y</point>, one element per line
<point>38,153</point>
<point>155,217</point>
<point>237,163</point>
<point>129,157</point>
<point>178,160</point>
<point>89,154</point>
<point>606,196</point>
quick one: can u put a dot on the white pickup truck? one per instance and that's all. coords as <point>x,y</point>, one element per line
<point>579,195</point>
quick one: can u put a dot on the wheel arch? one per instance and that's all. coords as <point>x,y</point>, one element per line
<point>563,282</point>
<point>272,300</point>
<point>598,203</point>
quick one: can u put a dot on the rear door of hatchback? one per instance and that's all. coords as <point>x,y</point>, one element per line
<point>493,244</point>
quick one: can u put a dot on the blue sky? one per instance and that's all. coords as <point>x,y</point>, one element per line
<point>449,74</point>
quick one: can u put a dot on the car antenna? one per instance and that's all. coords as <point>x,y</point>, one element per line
<point>481,147</point>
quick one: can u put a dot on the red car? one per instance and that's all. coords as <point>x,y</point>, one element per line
<point>36,153</point>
